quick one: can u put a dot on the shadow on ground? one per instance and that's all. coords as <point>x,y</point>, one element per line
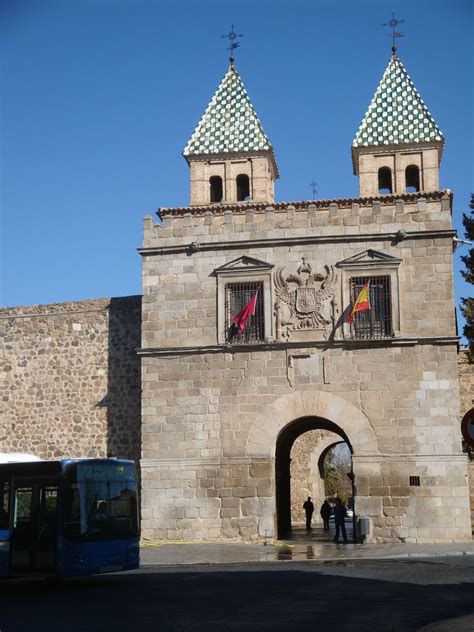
<point>311,598</point>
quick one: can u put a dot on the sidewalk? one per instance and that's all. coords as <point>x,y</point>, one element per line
<point>298,550</point>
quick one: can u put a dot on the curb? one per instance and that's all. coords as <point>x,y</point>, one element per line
<point>314,561</point>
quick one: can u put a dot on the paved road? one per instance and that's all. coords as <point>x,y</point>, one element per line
<point>377,596</point>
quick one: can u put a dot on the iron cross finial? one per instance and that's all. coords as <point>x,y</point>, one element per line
<point>393,23</point>
<point>232,37</point>
<point>314,190</point>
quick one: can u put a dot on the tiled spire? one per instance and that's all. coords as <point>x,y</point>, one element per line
<point>229,124</point>
<point>397,113</point>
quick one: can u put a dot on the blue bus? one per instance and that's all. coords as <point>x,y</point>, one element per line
<point>68,518</point>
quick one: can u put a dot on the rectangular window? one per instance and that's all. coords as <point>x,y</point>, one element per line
<point>375,322</point>
<point>23,507</point>
<point>249,329</point>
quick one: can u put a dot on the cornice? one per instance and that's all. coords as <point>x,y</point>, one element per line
<point>347,344</point>
<point>285,242</point>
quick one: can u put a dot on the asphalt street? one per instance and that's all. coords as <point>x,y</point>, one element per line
<point>377,596</point>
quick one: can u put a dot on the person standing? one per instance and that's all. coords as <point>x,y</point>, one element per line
<point>309,509</point>
<point>339,518</point>
<point>325,512</point>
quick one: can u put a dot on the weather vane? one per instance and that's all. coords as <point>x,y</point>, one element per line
<point>394,34</point>
<point>232,37</point>
<point>314,190</point>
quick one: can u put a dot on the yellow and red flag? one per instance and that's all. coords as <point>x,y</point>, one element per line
<point>362,302</point>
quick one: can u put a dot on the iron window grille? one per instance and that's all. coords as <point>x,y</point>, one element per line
<point>237,296</point>
<point>414,481</point>
<point>375,322</point>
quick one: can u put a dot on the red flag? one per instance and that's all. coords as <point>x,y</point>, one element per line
<point>362,302</point>
<point>240,320</point>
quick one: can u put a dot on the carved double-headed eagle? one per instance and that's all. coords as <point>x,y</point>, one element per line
<point>306,299</point>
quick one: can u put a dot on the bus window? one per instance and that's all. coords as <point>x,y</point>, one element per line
<point>23,539</point>
<point>47,534</point>
<point>4,505</point>
<point>102,502</point>
<point>23,506</point>
<point>72,511</point>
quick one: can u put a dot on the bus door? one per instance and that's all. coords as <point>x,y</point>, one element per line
<point>34,525</point>
<point>4,526</point>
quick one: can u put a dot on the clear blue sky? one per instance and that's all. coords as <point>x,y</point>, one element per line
<point>98,99</point>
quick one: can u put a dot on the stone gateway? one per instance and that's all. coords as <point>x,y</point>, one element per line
<point>220,413</point>
<point>221,409</point>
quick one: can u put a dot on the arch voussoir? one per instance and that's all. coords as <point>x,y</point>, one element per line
<point>271,421</point>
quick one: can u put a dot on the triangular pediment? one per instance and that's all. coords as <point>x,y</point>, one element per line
<point>244,263</point>
<point>369,258</point>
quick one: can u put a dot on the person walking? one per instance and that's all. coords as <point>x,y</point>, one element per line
<point>325,512</point>
<point>309,509</point>
<point>339,517</point>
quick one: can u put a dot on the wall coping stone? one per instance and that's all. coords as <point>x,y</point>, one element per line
<point>68,308</point>
<point>241,207</point>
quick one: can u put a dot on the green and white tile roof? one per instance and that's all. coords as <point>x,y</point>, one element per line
<point>229,123</point>
<point>397,113</point>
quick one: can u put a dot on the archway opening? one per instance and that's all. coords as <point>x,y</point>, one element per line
<point>385,180</point>
<point>215,189</point>
<point>243,188</point>
<point>412,179</point>
<point>313,458</point>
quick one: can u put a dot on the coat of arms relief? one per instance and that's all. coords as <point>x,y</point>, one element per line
<point>306,302</point>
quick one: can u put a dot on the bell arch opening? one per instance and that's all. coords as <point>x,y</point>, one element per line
<point>284,467</point>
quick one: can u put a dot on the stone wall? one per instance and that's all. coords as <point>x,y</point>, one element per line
<point>279,236</point>
<point>466,381</point>
<point>306,478</point>
<point>70,379</point>
<point>213,413</point>
<point>466,394</point>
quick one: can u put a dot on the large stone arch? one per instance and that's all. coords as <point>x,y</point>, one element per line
<point>274,418</point>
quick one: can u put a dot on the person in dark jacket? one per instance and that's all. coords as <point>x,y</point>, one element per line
<point>339,517</point>
<point>309,509</point>
<point>325,512</point>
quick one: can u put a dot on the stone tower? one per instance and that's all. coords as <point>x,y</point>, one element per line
<point>229,154</point>
<point>398,146</point>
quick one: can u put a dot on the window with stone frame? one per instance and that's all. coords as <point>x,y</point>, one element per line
<point>380,270</point>
<point>375,322</point>
<point>250,327</point>
<point>237,282</point>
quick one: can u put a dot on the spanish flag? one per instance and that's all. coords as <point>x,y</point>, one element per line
<point>362,302</point>
<point>240,320</point>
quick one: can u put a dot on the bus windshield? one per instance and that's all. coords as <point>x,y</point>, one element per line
<point>100,501</point>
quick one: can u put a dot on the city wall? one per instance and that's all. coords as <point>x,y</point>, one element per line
<point>70,379</point>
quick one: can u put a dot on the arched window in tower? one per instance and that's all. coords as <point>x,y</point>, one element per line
<point>412,179</point>
<point>243,188</point>
<point>385,180</point>
<point>215,185</point>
